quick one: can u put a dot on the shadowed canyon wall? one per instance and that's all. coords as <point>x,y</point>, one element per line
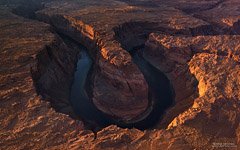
<point>191,47</point>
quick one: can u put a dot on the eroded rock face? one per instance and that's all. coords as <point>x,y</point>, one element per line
<point>172,61</point>
<point>192,43</point>
<point>23,112</point>
<point>119,88</point>
<point>208,52</point>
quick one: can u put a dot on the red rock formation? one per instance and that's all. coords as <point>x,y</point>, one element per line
<point>178,45</point>
<point>24,114</point>
<point>119,87</point>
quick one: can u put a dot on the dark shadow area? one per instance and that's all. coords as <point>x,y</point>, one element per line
<point>79,96</point>
<point>193,8</point>
<point>132,37</point>
<point>161,92</point>
<point>78,88</point>
<point>28,8</point>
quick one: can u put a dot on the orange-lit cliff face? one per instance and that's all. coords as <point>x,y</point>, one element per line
<point>193,45</point>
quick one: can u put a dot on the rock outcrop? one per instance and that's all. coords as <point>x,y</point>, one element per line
<point>195,43</point>
<point>119,87</point>
<point>28,46</point>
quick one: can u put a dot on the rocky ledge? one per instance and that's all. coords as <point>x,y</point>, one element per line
<point>195,44</point>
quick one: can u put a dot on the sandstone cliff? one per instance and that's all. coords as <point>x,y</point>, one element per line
<point>194,43</point>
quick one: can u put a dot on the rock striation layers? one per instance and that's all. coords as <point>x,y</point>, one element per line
<point>30,51</point>
<point>194,43</point>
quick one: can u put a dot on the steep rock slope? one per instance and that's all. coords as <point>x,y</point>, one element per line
<point>200,55</point>
<point>119,87</point>
<point>25,45</point>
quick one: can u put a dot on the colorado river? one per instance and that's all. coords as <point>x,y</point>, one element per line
<point>161,92</point>
<point>160,95</point>
<point>79,99</point>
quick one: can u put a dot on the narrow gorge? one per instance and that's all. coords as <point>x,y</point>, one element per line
<point>119,74</point>
<point>79,94</point>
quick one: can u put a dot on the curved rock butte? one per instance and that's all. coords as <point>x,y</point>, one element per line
<point>196,44</point>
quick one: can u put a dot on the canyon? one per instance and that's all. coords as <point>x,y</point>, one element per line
<point>119,74</point>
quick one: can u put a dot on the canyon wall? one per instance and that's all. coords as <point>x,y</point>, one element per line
<point>195,44</point>
<point>119,88</point>
<point>32,55</point>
